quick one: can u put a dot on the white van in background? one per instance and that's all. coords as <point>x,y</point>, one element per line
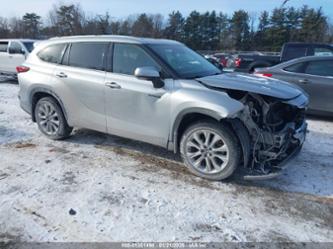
<point>13,52</point>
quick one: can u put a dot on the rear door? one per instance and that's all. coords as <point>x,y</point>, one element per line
<point>318,79</point>
<point>80,81</point>
<point>4,56</point>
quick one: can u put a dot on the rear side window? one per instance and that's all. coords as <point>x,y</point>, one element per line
<point>88,55</point>
<point>293,52</point>
<point>3,47</point>
<point>53,53</point>
<point>323,51</point>
<point>128,57</point>
<point>320,68</point>
<point>296,68</point>
<point>15,48</point>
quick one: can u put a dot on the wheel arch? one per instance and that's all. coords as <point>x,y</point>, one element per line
<point>187,117</point>
<point>41,92</point>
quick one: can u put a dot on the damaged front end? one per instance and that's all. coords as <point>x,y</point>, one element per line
<point>275,132</point>
<point>271,127</point>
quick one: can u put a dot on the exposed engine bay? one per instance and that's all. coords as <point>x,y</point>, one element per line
<point>276,129</point>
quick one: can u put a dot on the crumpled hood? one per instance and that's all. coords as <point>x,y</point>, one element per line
<point>260,85</point>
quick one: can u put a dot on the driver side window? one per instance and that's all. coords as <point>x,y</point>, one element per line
<point>128,57</point>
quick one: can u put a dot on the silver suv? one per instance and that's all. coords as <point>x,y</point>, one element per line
<point>163,93</point>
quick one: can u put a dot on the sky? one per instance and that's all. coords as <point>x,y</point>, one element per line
<point>124,8</point>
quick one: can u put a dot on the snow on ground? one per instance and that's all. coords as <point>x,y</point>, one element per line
<point>96,187</point>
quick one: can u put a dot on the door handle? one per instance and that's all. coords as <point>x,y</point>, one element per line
<point>61,75</point>
<point>304,81</point>
<point>113,85</point>
<point>156,95</point>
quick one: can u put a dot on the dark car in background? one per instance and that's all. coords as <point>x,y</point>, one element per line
<point>248,62</point>
<point>313,74</point>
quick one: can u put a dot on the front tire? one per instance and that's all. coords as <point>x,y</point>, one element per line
<point>210,150</point>
<point>51,120</point>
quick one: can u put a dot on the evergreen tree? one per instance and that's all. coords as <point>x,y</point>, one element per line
<point>175,27</point>
<point>225,38</point>
<point>314,25</point>
<point>143,26</point>
<point>192,30</point>
<point>260,38</point>
<point>31,23</point>
<point>277,34</point>
<point>240,30</point>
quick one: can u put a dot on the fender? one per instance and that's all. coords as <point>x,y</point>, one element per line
<point>173,144</point>
<point>48,91</point>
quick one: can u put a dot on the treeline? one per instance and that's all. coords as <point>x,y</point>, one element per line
<point>202,31</point>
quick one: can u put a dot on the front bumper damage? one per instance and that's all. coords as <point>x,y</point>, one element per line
<point>271,133</point>
<point>295,147</point>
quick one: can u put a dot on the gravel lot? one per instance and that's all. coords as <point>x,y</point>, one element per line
<point>96,187</point>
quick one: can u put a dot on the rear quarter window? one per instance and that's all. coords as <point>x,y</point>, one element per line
<point>320,68</point>
<point>296,68</point>
<point>323,51</point>
<point>3,47</point>
<point>52,53</point>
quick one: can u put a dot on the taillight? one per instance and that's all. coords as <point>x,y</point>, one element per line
<point>264,74</point>
<point>238,62</point>
<point>22,69</point>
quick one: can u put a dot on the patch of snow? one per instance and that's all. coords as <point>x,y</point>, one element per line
<point>96,187</point>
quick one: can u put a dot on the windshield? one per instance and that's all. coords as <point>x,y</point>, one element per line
<point>184,61</point>
<point>29,46</point>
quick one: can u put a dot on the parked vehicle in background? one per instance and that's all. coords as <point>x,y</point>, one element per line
<point>222,58</point>
<point>163,93</point>
<point>249,62</point>
<point>13,52</point>
<point>314,74</point>
<point>215,61</point>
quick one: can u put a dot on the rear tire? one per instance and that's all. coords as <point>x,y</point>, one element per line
<point>51,120</point>
<point>210,150</point>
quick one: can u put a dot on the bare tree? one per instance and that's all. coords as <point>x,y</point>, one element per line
<point>158,25</point>
<point>4,28</point>
<point>16,27</point>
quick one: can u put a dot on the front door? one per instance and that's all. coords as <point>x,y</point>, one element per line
<point>134,108</point>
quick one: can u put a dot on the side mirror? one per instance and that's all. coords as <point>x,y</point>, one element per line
<point>151,74</point>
